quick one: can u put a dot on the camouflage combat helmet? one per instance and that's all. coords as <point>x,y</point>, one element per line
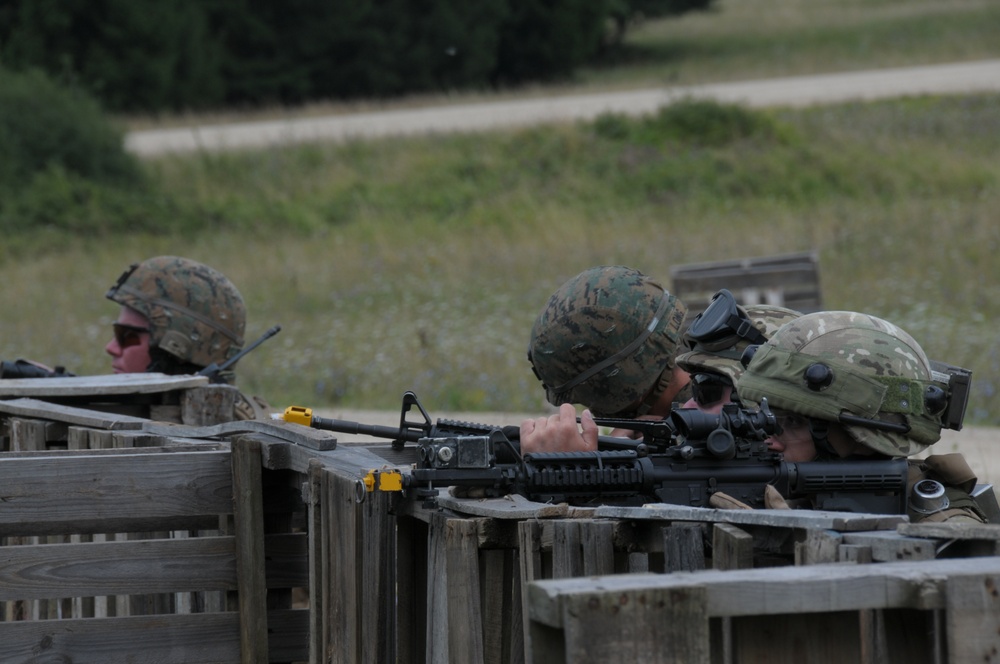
<point>195,313</point>
<point>855,369</point>
<point>607,339</point>
<point>721,353</point>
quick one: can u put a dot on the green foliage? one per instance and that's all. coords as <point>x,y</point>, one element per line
<point>151,56</point>
<point>64,165</point>
<point>130,54</point>
<point>545,39</point>
<point>699,122</point>
<point>44,125</point>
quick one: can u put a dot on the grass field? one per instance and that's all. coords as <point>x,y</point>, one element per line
<point>421,263</point>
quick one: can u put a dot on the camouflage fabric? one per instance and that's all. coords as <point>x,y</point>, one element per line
<point>606,339</point>
<point>195,313</point>
<point>766,318</point>
<point>876,371</point>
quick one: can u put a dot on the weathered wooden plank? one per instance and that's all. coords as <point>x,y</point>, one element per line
<point>116,384</point>
<point>948,530</point>
<point>973,617</point>
<point>530,555</point>
<point>27,435</point>
<point>819,546</point>
<point>248,519</point>
<point>376,605</point>
<point>293,433</point>
<point>780,590</point>
<point>683,548</point>
<point>506,507</point>
<point>208,405</point>
<point>115,489</point>
<point>567,555</point>
<point>317,575</point>
<point>454,618</point>
<point>205,638</point>
<point>792,277</point>
<point>343,570</point>
<point>887,546</point>
<point>110,568</point>
<point>732,548</point>
<point>667,626</point>
<point>86,417</point>
<point>841,521</point>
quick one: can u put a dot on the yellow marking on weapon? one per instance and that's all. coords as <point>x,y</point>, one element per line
<point>386,480</point>
<point>390,480</point>
<point>299,415</point>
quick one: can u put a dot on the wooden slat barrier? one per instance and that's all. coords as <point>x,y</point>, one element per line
<point>156,530</point>
<point>790,614</point>
<point>52,500</point>
<point>786,280</point>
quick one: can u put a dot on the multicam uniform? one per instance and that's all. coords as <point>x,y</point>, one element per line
<point>196,318</point>
<point>871,378</point>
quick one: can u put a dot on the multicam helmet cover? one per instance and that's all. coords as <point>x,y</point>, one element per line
<point>725,358</point>
<point>838,364</point>
<point>195,313</point>
<point>606,339</point>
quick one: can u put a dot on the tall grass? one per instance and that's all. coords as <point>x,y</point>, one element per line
<point>421,263</point>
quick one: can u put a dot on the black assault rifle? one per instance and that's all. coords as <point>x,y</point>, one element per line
<point>29,369</point>
<point>682,461</point>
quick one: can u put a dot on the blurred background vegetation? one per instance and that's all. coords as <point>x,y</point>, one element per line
<point>420,263</point>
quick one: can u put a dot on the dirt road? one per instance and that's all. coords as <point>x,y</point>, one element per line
<point>981,76</point>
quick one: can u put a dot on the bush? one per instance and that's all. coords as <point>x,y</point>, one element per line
<point>59,151</point>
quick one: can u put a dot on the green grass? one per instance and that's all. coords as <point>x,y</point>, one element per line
<point>420,263</point>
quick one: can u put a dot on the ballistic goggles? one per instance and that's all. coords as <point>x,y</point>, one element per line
<point>722,325</point>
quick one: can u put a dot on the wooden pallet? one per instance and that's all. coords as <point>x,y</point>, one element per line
<point>785,280</point>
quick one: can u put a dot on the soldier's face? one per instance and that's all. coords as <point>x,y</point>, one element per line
<point>795,441</point>
<point>129,347</point>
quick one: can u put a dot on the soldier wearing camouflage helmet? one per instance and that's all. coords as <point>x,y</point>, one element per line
<point>607,339</point>
<point>716,340</point>
<point>846,384</point>
<point>177,316</point>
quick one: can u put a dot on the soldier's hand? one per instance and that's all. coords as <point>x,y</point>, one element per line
<point>774,500</point>
<point>724,501</point>
<point>560,432</point>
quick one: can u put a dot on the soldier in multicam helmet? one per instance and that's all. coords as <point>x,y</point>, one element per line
<point>716,340</point>
<point>850,385</point>
<point>178,316</point>
<point>607,339</point>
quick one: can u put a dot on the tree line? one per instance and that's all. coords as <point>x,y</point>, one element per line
<point>150,55</point>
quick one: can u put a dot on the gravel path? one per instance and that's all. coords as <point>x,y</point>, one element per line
<point>957,78</point>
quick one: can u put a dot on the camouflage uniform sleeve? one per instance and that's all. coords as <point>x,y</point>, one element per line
<point>953,471</point>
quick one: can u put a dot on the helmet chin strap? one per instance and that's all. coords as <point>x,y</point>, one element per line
<point>820,432</point>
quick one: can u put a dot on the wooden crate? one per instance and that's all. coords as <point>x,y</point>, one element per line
<point>446,581</point>
<point>944,610</point>
<point>124,540</point>
<point>390,578</point>
<point>785,280</point>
